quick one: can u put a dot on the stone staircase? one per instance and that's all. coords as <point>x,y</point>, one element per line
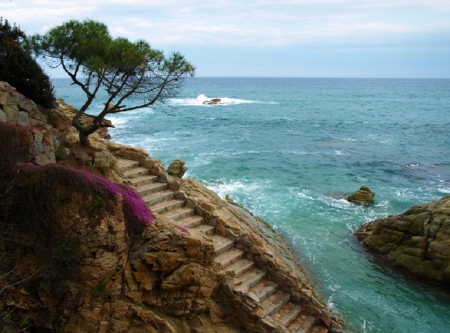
<point>276,310</point>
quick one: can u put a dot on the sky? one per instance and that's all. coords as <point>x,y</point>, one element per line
<point>269,38</point>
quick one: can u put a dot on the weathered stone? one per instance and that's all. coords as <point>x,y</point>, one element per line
<point>163,177</point>
<point>27,105</point>
<point>14,98</point>
<point>82,156</point>
<point>36,148</point>
<point>3,97</point>
<point>363,196</point>
<point>2,115</point>
<point>42,159</point>
<point>213,101</point>
<point>23,119</point>
<point>177,168</point>
<point>12,113</point>
<point>423,244</point>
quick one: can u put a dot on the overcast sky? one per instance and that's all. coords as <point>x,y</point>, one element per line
<point>295,38</point>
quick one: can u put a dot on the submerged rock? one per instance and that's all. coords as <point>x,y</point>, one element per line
<point>364,196</point>
<point>212,101</point>
<point>417,240</point>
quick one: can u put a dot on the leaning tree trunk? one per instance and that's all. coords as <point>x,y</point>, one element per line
<point>84,138</point>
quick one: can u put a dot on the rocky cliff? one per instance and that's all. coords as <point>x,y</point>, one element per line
<point>417,240</point>
<point>202,265</point>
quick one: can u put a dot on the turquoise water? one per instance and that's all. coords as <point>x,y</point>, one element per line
<point>286,148</point>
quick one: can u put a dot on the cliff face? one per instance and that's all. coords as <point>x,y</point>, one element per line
<point>203,265</point>
<point>417,240</point>
<point>19,110</point>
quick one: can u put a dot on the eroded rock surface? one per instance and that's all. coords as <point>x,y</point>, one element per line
<point>417,240</point>
<point>364,196</point>
<point>177,168</point>
<point>16,109</point>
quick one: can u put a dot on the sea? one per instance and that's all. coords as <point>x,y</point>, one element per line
<point>290,149</point>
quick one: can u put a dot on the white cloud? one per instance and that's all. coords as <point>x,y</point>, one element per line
<point>269,24</point>
<point>262,22</point>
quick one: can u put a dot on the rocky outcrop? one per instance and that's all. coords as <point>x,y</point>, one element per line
<point>16,109</point>
<point>177,168</point>
<point>417,240</point>
<point>364,196</point>
<point>213,101</point>
<point>204,265</point>
<point>157,281</point>
<point>258,286</point>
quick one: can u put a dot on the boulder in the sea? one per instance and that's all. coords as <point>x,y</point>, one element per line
<point>417,240</point>
<point>364,196</point>
<point>212,101</point>
<point>177,168</point>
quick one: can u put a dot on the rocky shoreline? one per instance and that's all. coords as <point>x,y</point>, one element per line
<point>417,240</point>
<point>204,265</point>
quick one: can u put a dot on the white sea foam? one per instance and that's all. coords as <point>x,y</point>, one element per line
<point>118,122</point>
<point>444,190</point>
<point>201,99</point>
<point>225,188</point>
<point>413,165</point>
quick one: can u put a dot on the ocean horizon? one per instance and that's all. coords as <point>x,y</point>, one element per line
<point>289,149</point>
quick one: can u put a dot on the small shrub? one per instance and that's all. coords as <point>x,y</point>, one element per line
<point>99,205</point>
<point>60,153</point>
<point>108,166</point>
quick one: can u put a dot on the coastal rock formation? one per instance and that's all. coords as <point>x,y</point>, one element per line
<point>259,287</point>
<point>417,240</point>
<point>177,168</point>
<point>18,110</point>
<point>203,265</point>
<point>213,101</point>
<point>364,196</point>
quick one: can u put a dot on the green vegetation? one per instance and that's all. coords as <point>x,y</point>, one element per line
<point>19,69</point>
<point>130,72</point>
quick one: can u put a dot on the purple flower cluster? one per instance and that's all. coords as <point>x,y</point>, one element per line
<point>135,209</point>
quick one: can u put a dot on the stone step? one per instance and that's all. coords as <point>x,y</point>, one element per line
<point>264,289</point>
<point>154,198</point>
<point>191,221</point>
<point>124,165</point>
<point>141,180</point>
<point>273,303</point>
<point>167,206</point>
<point>286,314</point>
<point>178,213</point>
<point>318,329</point>
<point>222,244</point>
<point>205,229</point>
<point>240,266</point>
<point>302,324</point>
<point>143,190</point>
<point>227,258</point>
<point>135,172</point>
<point>248,280</point>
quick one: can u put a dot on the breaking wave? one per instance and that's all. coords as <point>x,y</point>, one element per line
<point>202,100</point>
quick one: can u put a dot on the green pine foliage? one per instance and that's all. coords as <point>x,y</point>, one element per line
<point>19,69</point>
